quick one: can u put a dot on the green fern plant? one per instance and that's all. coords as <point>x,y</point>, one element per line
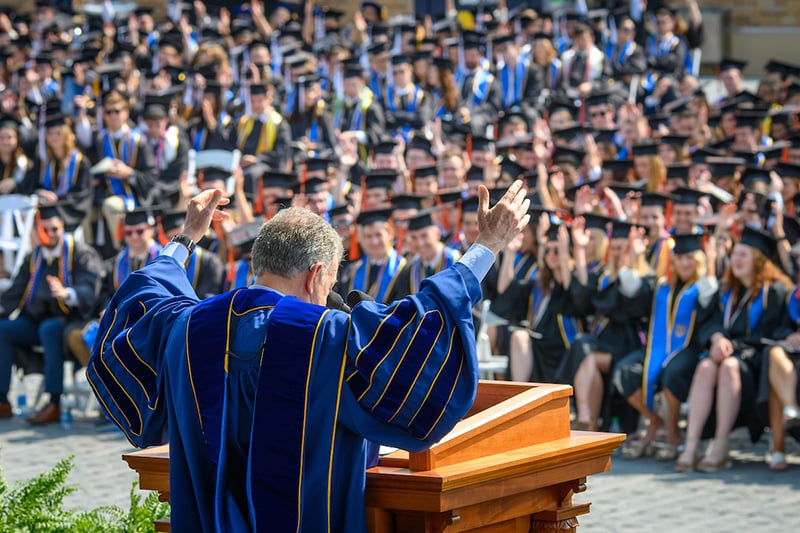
<point>37,505</point>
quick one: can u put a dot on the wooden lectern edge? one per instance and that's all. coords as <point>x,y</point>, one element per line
<point>536,395</point>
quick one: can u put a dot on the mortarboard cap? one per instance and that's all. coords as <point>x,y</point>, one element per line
<point>374,215</point>
<point>385,146</point>
<point>381,179</point>
<point>426,172</point>
<point>595,221</point>
<point>617,166</point>
<point>243,237</point>
<point>674,140</point>
<point>339,210</point>
<point>450,196</point>
<point>317,164</point>
<point>721,167</point>
<point>678,172</point>
<point>656,199</point>
<point>408,201</point>
<point>475,174</point>
<point>687,196</point>
<point>728,63</point>
<point>470,205</point>
<point>51,211</point>
<point>565,154</point>
<point>311,185</point>
<point>420,142</point>
<point>401,59</point>
<point>173,219</point>
<point>621,229</point>
<point>648,148</point>
<point>687,243</point>
<point>760,240</point>
<point>142,215</point>
<point>276,178</point>
<point>53,120</point>
<point>512,168</point>
<point>421,220</point>
<point>753,175</point>
<point>788,170</point>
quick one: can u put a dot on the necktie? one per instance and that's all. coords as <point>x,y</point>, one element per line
<point>403,102</point>
<point>373,274</point>
<point>429,271</point>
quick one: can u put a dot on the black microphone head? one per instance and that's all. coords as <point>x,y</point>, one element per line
<point>356,297</point>
<point>335,301</point>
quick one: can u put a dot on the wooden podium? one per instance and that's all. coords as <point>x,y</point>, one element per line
<point>511,465</point>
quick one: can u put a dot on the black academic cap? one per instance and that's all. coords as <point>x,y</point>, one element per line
<point>421,220</point>
<point>792,90</point>
<point>173,219</point>
<point>142,215</point>
<point>502,39</point>
<point>720,167</point>
<point>316,164</point>
<point>339,210</point>
<point>552,231</point>
<point>154,112</point>
<point>723,144</point>
<point>784,69</point>
<point>598,98</point>
<point>470,205</point>
<point>9,121</point>
<point>443,63</point>
<point>687,196</point>
<point>569,133</point>
<point>645,148</point>
<point>276,178</point>
<point>605,136</point>
<point>450,196</point>
<point>475,173</point>
<point>378,48</point>
<point>753,175</point>
<point>728,63</point>
<point>565,154</point>
<point>53,120</point>
<point>621,229</point>
<point>657,120</point>
<point>622,189</point>
<point>473,39</point>
<point>775,150</point>
<point>426,172</point>
<point>308,80</point>
<point>559,102</point>
<point>420,142</point>
<point>353,71</point>
<point>686,243</point>
<point>408,201</point>
<point>243,237</point>
<point>401,59</point>
<point>674,140</point>
<point>678,172</point>
<point>512,168</point>
<point>258,89</point>
<point>788,170</point>
<point>617,166</point>
<point>481,143</point>
<point>385,146</point>
<point>496,194</point>
<point>51,211</point>
<point>791,229</point>
<point>656,199</point>
<point>760,240</point>
<point>749,119</point>
<point>310,186</point>
<point>595,221</point>
<point>573,190</point>
<point>374,215</point>
<point>381,179</point>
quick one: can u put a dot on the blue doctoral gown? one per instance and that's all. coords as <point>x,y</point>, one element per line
<point>269,400</point>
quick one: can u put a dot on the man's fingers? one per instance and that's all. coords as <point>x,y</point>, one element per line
<point>483,200</point>
<point>512,191</point>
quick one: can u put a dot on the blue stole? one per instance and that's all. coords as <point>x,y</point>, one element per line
<point>280,417</point>
<point>129,144</point>
<point>384,281</point>
<point>481,83</point>
<point>193,268</point>
<point>200,139</point>
<point>670,332</point>
<point>392,102</point>
<point>793,306</point>
<point>375,84</point>
<point>656,50</point>
<point>525,266</point>
<point>243,278</point>
<point>754,308</point>
<point>123,269</point>
<point>538,304</point>
<point>513,92</point>
<point>555,66</point>
<point>66,179</point>
<point>37,261</point>
<point>447,258</point>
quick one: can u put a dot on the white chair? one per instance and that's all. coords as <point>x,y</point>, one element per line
<point>488,364</point>
<point>16,224</point>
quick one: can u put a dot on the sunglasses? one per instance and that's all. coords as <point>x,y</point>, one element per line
<point>132,232</point>
<point>336,224</point>
<point>551,250</point>
<point>597,114</point>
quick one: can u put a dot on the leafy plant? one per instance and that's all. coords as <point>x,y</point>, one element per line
<point>37,505</point>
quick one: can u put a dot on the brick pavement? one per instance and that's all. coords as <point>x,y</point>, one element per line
<point>641,495</point>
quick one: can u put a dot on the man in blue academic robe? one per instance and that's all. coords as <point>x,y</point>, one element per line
<point>268,395</point>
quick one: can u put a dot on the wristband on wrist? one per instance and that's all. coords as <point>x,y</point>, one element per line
<point>186,242</point>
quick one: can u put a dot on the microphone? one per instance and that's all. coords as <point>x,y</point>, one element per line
<point>335,301</point>
<point>356,297</point>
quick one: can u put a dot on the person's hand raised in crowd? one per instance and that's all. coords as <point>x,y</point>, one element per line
<point>207,108</point>
<point>349,146</point>
<point>359,23</point>
<point>637,245</point>
<point>542,228</point>
<point>580,235</point>
<point>563,243</point>
<point>584,200</point>
<point>202,211</point>
<point>710,250</point>
<point>500,224</point>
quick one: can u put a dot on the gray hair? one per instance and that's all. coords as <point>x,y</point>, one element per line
<point>294,240</point>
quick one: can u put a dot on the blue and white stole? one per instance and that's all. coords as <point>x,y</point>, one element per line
<point>753,308</point>
<point>447,258</point>
<point>538,304</point>
<point>37,263</point>
<point>555,67</point>
<point>603,282</point>
<point>658,50</point>
<point>393,103</point>
<point>624,51</point>
<point>671,327</point>
<point>243,277</point>
<point>384,281</point>
<point>513,84</point>
<point>525,266</point>
<point>62,183</point>
<point>127,152</point>
<point>481,83</point>
<point>123,268</point>
<point>193,268</point>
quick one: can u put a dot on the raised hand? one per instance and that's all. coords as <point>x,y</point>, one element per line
<point>202,210</point>
<point>500,224</point>
<point>580,235</point>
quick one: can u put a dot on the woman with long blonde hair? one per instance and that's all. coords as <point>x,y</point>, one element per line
<point>752,304</point>
<point>63,176</point>
<point>680,306</point>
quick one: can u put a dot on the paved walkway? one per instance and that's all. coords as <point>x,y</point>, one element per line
<point>642,495</point>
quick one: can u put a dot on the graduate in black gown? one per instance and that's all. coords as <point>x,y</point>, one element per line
<point>752,307</point>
